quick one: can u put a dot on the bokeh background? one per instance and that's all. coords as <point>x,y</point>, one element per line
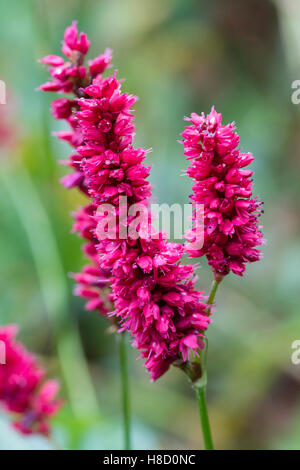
<point>178,56</point>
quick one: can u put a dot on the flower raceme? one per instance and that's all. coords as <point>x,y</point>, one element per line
<point>224,187</point>
<point>23,390</point>
<point>152,291</point>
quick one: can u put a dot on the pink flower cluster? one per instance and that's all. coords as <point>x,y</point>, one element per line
<point>69,77</point>
<point>153,293</point>
<point>23,390</point>
<point>224,187</point>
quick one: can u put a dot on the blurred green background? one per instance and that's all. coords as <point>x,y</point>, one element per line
<point>178,56</point>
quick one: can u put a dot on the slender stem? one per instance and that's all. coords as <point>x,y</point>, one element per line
<point>200,385</point>
<point>200,393</point>
<point>125,391</point>
<point>212,293</point>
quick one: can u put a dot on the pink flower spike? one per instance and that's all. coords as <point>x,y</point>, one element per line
<point>231,230</point>
<point>22,387</point>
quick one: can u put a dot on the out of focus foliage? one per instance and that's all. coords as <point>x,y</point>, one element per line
<point>178,57</point>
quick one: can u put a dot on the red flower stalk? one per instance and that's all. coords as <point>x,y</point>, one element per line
<point>23,390</point>
<point>224,187</point>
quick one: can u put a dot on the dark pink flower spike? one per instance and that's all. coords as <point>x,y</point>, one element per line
<point>23,390</point>
<point>231,229</point>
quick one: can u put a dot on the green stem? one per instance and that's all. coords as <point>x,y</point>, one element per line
<point>125,390</point>
<point>201,398</point>
<point>212,294</point>
<point>200,384</point>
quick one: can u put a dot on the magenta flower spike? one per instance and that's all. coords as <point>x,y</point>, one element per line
<point>24,391</point>
<point>224,186</point>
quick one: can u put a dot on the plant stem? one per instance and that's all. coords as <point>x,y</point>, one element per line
<point>200,384</point>
<point>201,398</point>
<point>212,293</point>
<point>125,390</point>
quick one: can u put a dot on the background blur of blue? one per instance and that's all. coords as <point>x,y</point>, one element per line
<point>178,57</point>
